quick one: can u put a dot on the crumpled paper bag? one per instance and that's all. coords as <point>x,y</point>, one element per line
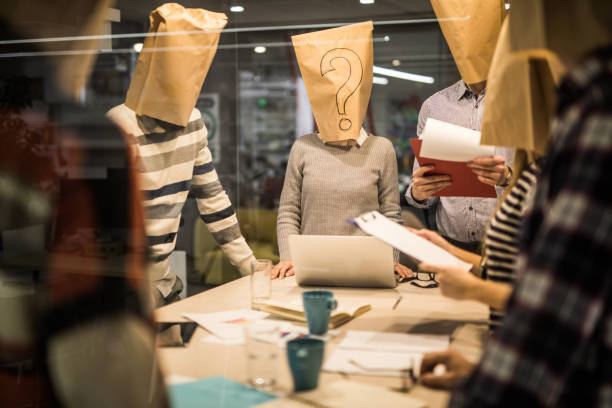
<point>336,66</point>
<point>470,28</point>
<point>174,62</point>
<point>521,96</point>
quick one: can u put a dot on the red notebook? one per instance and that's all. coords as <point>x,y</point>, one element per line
<point>464,180</point>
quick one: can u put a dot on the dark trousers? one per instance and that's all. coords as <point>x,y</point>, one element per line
<point>474,246</point>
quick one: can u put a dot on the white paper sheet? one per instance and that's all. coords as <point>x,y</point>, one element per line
<point>376,224</point>
<point>445,141</point>
<point>227,325</point>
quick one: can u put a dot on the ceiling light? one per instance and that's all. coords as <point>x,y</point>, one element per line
<point>396,63</point>
<point>387,38</point>
<point>137,47</point>
<point>507,6</point>
<point>380,80</point>
<point>366,1</point>
<point>236,9</point>
<point>260,49</point>
<point>403,75</point>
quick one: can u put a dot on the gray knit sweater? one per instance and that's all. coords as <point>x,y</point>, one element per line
<point>325,185</point>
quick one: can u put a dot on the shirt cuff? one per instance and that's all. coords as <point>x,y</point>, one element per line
<point>428,202</point>
<point>245,266</point>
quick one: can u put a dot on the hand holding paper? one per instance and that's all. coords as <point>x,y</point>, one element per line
<point>449,148</point>
<point>376,224</point>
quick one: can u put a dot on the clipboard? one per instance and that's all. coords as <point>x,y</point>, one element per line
<point>464,180</point>
<point>419,249</point>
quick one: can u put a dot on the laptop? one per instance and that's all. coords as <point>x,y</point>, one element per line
<point>333,260</point>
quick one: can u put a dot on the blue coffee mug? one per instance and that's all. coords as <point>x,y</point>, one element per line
<point>318,305</point>
<point>305,360</point>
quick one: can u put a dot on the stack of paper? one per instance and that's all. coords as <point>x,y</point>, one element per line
<point>382,354</point>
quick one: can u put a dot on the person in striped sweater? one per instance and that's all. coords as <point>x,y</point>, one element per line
<point>175,160</point>
<point>169,139</point>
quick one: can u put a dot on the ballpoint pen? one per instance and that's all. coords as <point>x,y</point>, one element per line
<point>399,299</point>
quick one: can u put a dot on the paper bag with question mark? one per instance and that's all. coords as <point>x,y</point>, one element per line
<point>470,28</point>
<point>336,66</point>
<point>173,63</point>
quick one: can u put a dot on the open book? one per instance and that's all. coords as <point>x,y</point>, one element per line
<point>420,249</point>
<point>294,310</point>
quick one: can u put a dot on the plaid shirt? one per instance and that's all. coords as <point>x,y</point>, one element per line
<point>555,346</point>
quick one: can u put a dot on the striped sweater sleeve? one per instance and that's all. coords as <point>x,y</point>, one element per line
<point>216,209</point>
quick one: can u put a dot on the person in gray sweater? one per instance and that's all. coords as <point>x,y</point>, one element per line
<point>328,183</point>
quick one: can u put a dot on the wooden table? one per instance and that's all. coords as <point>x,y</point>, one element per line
<point>423,311</point>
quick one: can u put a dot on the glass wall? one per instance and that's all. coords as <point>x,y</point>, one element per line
<point>254,102</point>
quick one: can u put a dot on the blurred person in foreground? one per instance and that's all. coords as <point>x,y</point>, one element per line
<point>555,344</point>
<point>471,28</point>
<point>75,329</point>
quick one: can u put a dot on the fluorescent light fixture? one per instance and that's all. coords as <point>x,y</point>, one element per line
<point>380,80</point>
<point>236,9</point>
<point>403,75</point>
<point>260,49</point>
<point>137,47</point>
<point>366,1</point>
<point>396,63</point>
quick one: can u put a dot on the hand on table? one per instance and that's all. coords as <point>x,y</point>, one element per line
<point>432,237</point>
<point>490,170</point>
<point>454,282</point>
<point>456,369</point>
<point>403,271</point>
<point>282,269</point>
<point>425,186</point>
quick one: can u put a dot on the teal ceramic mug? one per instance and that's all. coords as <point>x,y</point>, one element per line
<point>318,305</point>
<point>305,358</point>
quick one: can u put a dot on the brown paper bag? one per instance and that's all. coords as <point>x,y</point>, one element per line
<point>173,63</point>
<point>336,66</point>
<point>521,96</point>
<point>470,28</point>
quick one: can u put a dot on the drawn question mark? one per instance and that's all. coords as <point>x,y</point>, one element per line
<point>352,83</point>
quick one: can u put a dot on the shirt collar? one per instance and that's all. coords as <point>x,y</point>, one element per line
<point>363,135</point>
<point>464,91</point>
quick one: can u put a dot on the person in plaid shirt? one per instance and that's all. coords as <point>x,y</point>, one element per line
<point>555,346</point>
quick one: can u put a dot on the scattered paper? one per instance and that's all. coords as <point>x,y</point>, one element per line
<point>227,326</point>
<point>376,224</point>
<point>445,141</point>
<point>382,354</point>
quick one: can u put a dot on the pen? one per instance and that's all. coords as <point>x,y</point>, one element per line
<point>399,299</point>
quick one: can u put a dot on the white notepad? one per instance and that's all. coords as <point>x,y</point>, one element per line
<point>376,224</point>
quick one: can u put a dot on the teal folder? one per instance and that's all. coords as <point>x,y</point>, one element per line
<point>217,392</point>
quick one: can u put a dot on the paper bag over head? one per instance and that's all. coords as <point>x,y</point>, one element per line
<point>174,62</point>
<point>521,95</point>
<point>336,66</point>
<point>470,28</point>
